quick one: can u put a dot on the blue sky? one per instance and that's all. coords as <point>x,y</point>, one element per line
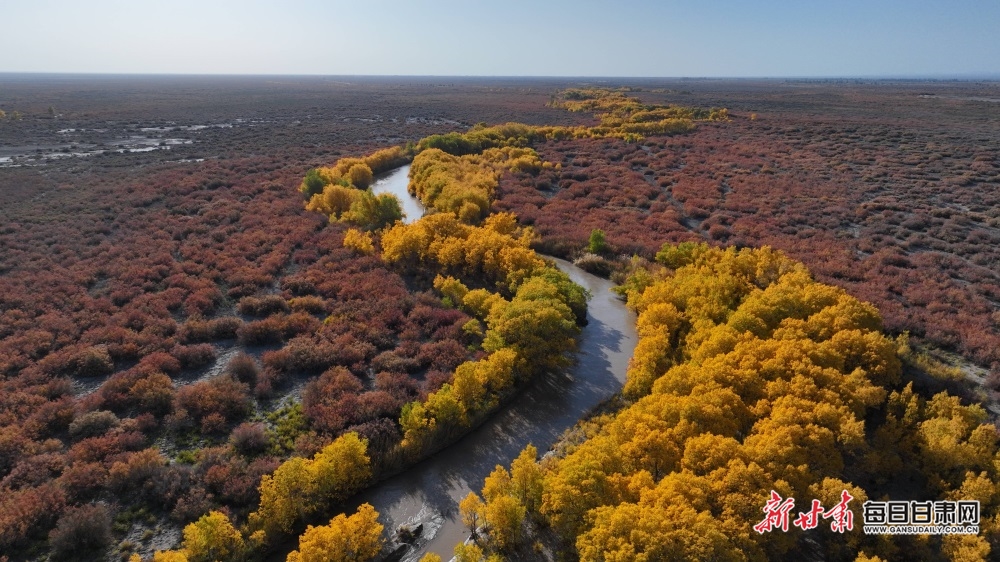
<point>505,37</point>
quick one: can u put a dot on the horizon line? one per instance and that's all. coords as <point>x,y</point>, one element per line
<point>910,77</point>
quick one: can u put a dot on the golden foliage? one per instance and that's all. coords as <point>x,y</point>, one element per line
<point>468,553</point>
<point>493,252</point>
<point>966,548</point>
<point>749,376</point>
<point>300,486</point>
<point>212,537</point>
<point>454,184</point>
<point>285,496</point>
<point>526,479</point>
<point>360,175</point>
<point>504,516</point>
<point>471,508</point>
<point>358,241</point>
<point>527,334</point>
<point>387,159</point>
<point>346,539</point>
<point>170,556</point>
<point>333,201</point>
<point>451,288</point>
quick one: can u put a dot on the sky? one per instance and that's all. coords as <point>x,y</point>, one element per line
<point>634,38</point>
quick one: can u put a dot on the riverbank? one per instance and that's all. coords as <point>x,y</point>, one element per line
<point>428,492</point>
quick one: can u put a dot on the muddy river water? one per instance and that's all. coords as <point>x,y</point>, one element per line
<point>428,493</point>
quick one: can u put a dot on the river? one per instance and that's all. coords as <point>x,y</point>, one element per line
<point>429,492</point>
<point>395,183</point>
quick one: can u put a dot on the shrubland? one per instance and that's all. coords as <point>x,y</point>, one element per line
<point>749,377</point>
<point>881,192</point>
<point>128,278</point>
<point>155,315</point>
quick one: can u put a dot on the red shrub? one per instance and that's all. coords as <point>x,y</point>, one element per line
<point>105,448</point>
<point>329,400</point>
<point>34,471</point>
<point>249,439</point>
<point>401,387</point>
<point>222,395</point>
<point>194,503</point>
<point>261,332</point>
<point>135,471</point>
<point>262,306</point>
<point>13,444</point>
<point>92,424</point>
<point>243,367</point>
<point>391,361</point>
<point>443,355</point>
<point>161,362</point>
<point>193,356</point>
<point>83,480</point>
<point>51,417</point>
<point>195,330</point>
<point>377,404</point>
<point>302,354</point>
<point>153,394</point>
<point>310,304</point>
<point>381,433</point>
<point>28,512</point>
<point>81,531</point>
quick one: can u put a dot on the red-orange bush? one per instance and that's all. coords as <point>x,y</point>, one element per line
<point>221,395</point>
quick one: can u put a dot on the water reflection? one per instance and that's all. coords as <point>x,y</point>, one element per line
<point>395,182</point>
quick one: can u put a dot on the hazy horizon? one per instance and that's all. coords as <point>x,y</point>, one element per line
<point>989,77</point>
<point>559,39</point>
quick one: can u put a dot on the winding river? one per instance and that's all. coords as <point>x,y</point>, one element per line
<point>429,492</point>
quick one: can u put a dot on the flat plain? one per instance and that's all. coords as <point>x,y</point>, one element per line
<point>152,236</point>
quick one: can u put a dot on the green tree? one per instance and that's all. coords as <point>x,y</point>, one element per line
<point>676,257</point>
<point>373,212</point>
<point>312,184</point>
<point>416,423</point>
<point>445,407</point>
<point>597,243</point>
<point>541,331</point>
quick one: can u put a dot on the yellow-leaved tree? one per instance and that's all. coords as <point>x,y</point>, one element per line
<point>299,486</point>
<point>751,377</point>
<point>212,537</point>
<point>346,539</point>
<point>358,241</point>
